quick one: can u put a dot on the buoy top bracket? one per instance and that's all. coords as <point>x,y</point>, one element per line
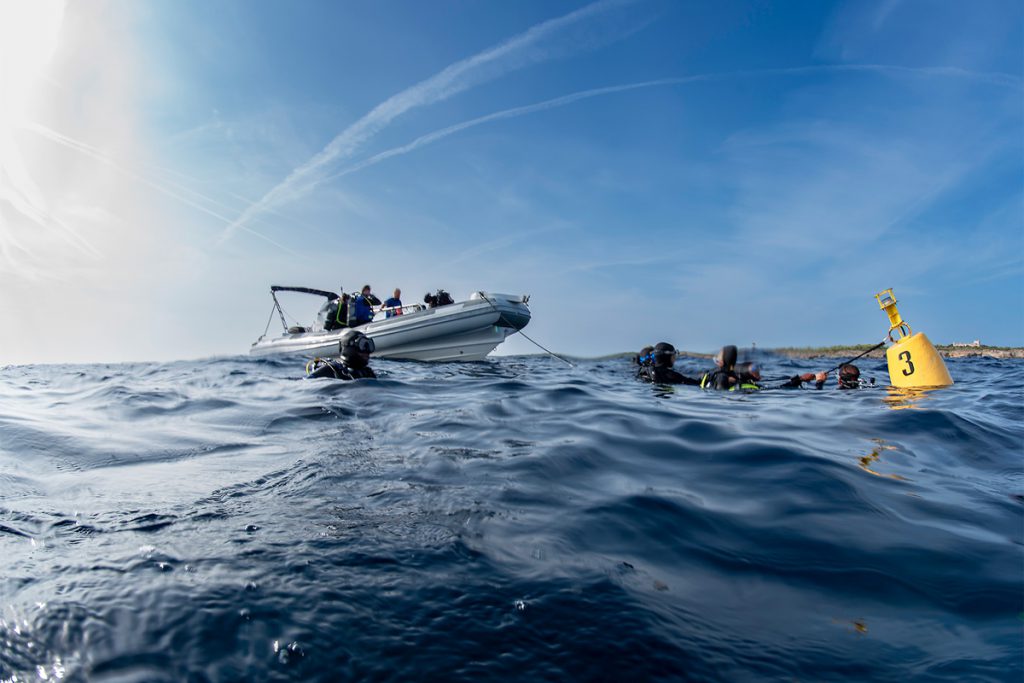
<point>886,298</point>
<point>887,302</point>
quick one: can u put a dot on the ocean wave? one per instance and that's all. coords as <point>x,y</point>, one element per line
<point>227,519</point>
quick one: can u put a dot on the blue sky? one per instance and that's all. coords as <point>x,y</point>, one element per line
<point>702,173</point>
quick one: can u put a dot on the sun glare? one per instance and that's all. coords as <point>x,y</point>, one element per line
<point>28,39</point>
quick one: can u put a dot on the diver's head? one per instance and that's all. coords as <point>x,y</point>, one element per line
<point>664,355</point>
<point>644,357</point>
<point>726,358</point>
<point>398,293</point>
<point>356,349</point>
<point>749,371</point>
<point>365,290</point>
<point>849,376</point>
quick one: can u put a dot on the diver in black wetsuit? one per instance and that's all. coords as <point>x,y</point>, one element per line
<point>723,376</point>
<point>659,371</point>
<point>353,363</point>
<point>644,359</point>
<point>335,312</point>
<point>848,377</point>
<point>750,377</point>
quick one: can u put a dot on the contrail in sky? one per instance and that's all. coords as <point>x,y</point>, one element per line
<point>1003,80</point>
<point>508,114</point>
<point>996,79</point>
<point>312,171</point>
<point>512,54</point>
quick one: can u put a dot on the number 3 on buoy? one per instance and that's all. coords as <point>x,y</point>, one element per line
<point>909,370</point>
<point>913,360</point>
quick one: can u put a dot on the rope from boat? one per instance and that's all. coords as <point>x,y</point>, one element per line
<point>547,351</point>
<point>550,353</point>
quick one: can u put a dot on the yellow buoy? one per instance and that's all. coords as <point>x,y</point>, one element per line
<point>913,360</point>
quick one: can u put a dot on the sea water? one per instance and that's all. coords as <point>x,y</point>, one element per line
<point>515,519</point>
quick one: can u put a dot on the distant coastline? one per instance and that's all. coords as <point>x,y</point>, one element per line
<point>946,351</point>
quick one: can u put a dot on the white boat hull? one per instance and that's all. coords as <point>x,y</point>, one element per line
<point>463,331</point>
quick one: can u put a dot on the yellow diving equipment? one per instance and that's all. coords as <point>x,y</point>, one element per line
<point>913,360</point>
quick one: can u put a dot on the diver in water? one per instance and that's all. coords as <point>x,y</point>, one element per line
<point>848,378</point>
<point>723,377</point>
<point>353,363</point>
<point>644,359</point>
<point>750,377</point>
<point>656,366</point>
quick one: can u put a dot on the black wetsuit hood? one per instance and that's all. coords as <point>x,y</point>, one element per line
<point>664,355</point>
<point>356,350</point>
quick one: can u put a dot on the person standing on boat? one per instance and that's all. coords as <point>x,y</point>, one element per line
<point>395,302</point>
<point>335,312</point>
<point>364,306</point>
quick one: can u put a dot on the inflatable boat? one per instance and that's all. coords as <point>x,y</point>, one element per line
<point>460,331</point>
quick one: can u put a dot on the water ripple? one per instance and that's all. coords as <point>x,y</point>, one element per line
<point>513,519</point>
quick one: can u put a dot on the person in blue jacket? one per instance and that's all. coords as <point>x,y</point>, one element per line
<point>364,304</point>
<point>394,302</point>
